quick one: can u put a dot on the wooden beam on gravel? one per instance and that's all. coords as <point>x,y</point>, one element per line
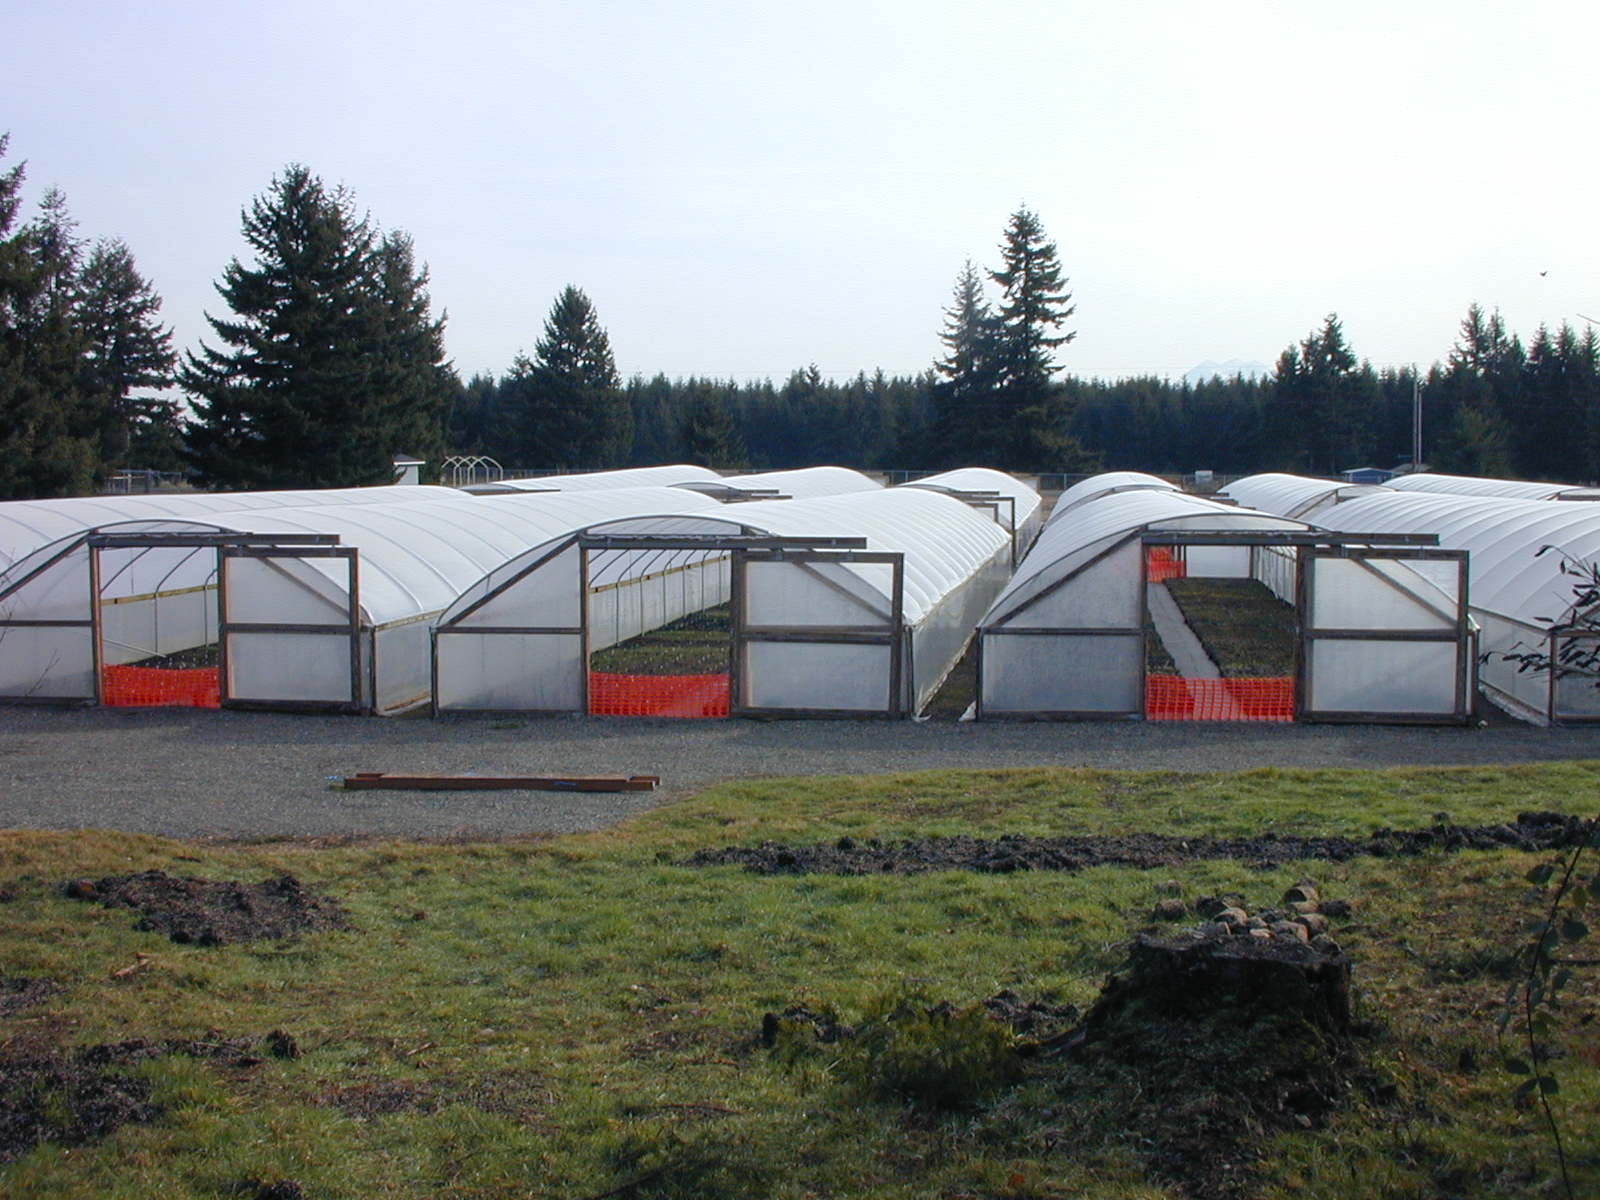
<point>483,783</point>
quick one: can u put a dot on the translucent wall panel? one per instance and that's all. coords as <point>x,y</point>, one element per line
<point>789,595</point>
<point>58,592</point>
<point>523,672</point>
<point>139,627</point>
<point>1577,696</point>
<point>46,664</point>
<point>1379,594</point>
<point>1277,567</point>
<point>1355,676</point>
<point>1104,595</point>
<point>282,591</point>
<point>625,610</point>
<point>289,667</point>
<point>1218,562</point>
<point>546,598</point>
<point>404,676</point>
<point>1045,674</point>
<point>941,636</point>
<point>1524,693</point>
<point>805,675</point>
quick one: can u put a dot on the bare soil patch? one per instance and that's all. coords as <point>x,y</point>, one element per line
<point>1539,831</point>
<point>209,912</point>
<point>18,994</point>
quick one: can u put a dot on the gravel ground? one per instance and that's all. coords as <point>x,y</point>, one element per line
<point>189,773</point>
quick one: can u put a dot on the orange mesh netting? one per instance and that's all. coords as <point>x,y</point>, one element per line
<point>193,687</point>
<point>658,695</point>
<point>1175,698</point>
<point>1160,566</point>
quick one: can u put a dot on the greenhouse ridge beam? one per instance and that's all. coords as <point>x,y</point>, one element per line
<point>1284,537</point>
<point>716,541</point>
<point>152,540</point>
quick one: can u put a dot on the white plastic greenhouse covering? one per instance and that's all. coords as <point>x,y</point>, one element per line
<point>805,483</point>
<point>1021,516</point>
<point>1106,484</point>
<point>26,525</point>
<point>631,477</point>
<point>301,625</point>
<point>1509,489</point>
<point>1294,495</point>
<point>1382,632</point>
<point>1521,599</point>
<point>814,631</point>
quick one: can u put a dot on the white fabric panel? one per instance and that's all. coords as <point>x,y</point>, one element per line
<point>1525,693</point>
<point>1468,485</point>
<point>802,484</point>
<point>145,626</point>
<point>1218,562</point>
<point>534,672</point>
<point>281,591</point>
<point>1027,501</point>
<point>627,610</point>
<point>1348,595</point>
<point>806,675</point>
<point>289,667</point>
<point>1577,696</point>
<point>47,664</point>
<point>1105,595</point>
<point>1062,674</point>
<point>938,643</point>
<point>1293,495</point>
<point>1277,568</point>
<point>1106,484</point>
<point>808,595</point>
<point>548,597</point>
<point>1382,677</point>
<point>404,667</point>
<point>59,593</point>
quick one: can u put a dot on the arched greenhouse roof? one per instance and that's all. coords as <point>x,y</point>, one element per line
<point>1065,545</point>
<point>1293,495</point>
<point>631,477</point>
<point>1510,489</point>
<point>416,558</point>
<point>944,541</point>
<point>1503,537</point>
<point>804,483</point>
<point>26,525</point>
<point>1106,484</point>
<point>984,479</point>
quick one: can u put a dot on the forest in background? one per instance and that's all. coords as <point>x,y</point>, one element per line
<point>329,360</point>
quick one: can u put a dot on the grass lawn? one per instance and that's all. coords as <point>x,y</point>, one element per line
<point>579,1017</point>
<point>1247,631</point>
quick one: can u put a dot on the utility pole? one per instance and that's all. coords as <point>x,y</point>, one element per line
<point>1416,420</point>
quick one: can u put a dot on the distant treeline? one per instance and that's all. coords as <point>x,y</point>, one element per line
<point>1494,407</point>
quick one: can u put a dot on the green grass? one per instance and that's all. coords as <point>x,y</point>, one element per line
<point>1247,631</point>
<point>576,1014</point>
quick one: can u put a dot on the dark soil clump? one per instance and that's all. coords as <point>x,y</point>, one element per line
<point>19,994</point>
<point>520,1095</point>
<point>51,1098</point>
<point>1014,852</point>
<point>207,912</point>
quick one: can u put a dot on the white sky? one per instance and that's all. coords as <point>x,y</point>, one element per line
<point>743,189</point>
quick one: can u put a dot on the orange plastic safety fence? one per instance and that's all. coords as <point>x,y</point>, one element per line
<point>1176,698</point>
<point>1161,566</point>
<point>192,687</point>
<point>658,695</point>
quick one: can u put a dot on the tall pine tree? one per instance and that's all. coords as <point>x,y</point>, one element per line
<point>330,364</point>
<point>565,405</point>
<point>965,395</point>
<point>119,314</point>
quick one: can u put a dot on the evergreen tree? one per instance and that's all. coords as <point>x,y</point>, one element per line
<point>707,434</point>
<point>119,314</point>
<point>1030,413</point>
<point>1480,384</point>
<point>566,404</point>
<point>42,451</point>
<point>1323,403</point>
<point>330,364</point>
<point>965,395</point>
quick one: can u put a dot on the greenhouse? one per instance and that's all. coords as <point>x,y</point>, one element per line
<point>805,483</point>
<point>1108,484</point>
<point>26,525</point>
<point>1524,597</point>
<point>631,477</point>
<point>1294,496</point>
<point>854,605</point>
<point>1506,489</point>
<point>1373,632</point>
<point>310,607</point>
<point>1016,506</point>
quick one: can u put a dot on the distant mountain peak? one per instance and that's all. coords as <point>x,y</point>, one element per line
<point>1227,370</point>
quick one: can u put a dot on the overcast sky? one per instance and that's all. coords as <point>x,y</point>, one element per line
<point>743,189</point>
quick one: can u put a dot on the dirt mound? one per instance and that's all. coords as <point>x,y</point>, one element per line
<point>51,1098</point>
<point>208,912</point>
<point>18,994</point>
<point>1214,1040</point>
<point>1015,852</point>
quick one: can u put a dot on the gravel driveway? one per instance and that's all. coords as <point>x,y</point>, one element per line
<point>183,772</point>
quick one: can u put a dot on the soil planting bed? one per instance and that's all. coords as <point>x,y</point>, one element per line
<point>847,856</point>
<point>207,912</point>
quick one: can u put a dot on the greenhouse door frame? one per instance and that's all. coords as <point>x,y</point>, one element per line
<point>892,634</point>
<point>767,547</point>
<point>312,546</point>
<point>1458,632</point>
